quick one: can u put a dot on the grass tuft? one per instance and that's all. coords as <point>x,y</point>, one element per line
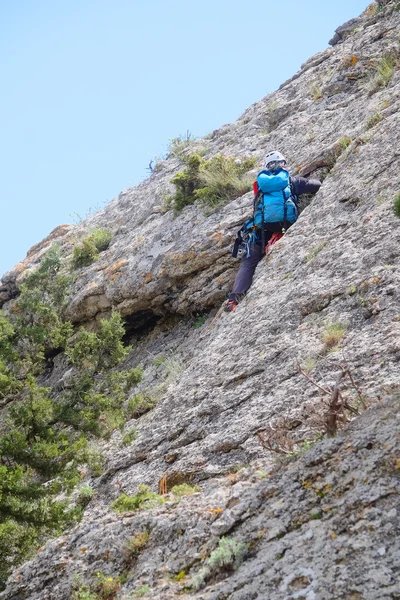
<point>333,334</point>
<point>396,205</point>
<point>374,120</point>
<point>144,499</point>
<point>184,489</point>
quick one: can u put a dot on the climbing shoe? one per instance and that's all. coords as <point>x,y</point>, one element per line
<point>230,305</point>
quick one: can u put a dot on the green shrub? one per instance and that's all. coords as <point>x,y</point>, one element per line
<point>129,437</point>
<point>386,68</point>
<point>396,205</point>
<point>199,321</point>
<point>99,351</point>
<point>45,440</point>
<point>16,543</point>
<point>6,338</point>
<point>333,334</point>
<point>86,493</point>
<point>213,182</point>
<point>39,312</point>
<point>142,591</point>
<point>316,92</point>
<point>33,448</point>
<point>101,238</point>
<point>345,142</point>
<point>88,250</point>
<point>84,254</point>
<point>140,404</point>
<point>184,489</point>
<point>309,364</point>
<point>229,555</point>
<point>95,461</point>
<point>376,118</point>
<point>172,367</point>
<point>186,182</point>
<point>95,404</point>
<point>134,545</point>
<point>84,593</point>
<point>144,499</point>
<point>107,586</point>
<point>222,180</point>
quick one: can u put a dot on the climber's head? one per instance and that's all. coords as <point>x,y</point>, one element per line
<point>274,160</point>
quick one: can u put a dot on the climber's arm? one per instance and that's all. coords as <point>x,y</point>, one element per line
<point>305,186</point>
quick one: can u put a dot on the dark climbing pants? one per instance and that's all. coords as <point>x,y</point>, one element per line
<point>245,274</point>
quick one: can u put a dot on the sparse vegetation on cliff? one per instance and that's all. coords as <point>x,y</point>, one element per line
<point>144,498</point>
<point>89,249</point>
<point>213,182</point>
<point>396,205</point>
<point>228,555</point>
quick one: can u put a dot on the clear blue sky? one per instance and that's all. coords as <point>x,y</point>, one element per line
<point>93,89</point>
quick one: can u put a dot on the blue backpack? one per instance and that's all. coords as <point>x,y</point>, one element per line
<point>274,210</point>
<point>274,207</point>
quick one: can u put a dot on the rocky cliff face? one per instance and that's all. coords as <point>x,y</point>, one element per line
<point>247,389</point>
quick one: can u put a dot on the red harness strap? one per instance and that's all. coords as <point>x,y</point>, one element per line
<point>275,237</point>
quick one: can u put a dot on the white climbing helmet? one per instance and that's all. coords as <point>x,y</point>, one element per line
<point>273,157</point>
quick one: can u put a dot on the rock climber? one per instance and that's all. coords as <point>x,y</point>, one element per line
<point>275,210</point>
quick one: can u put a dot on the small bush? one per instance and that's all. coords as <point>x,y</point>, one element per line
<point>181,575</point>
<point>129,437</point>
<point>376,118</point>
<point>229,555</point>
<point>345,142</point>
<point>333,334</point>
<point>396,205</point>
<point>103,350</point>
<point>173,367</point>
<point>213,182</point>
<point>316,92</point>
<point>223,179</point>
<point>309,364</point>
<point>135,544</point>
<point>95,461</point>
<point>101,238</point>
<point>108,587</point>
<point>140,404</point>
<point>186,182</point>
<point>88,250</point>
<point>84,593</point>
<point>310,137</point>
<point>199,321</point>
<point>384,70</point>
<point>86,493</point>
<point>184,489</point>
<point>142,591</point>
<point>144,499</point>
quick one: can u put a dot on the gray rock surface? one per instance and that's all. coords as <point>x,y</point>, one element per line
<point>324,525</point>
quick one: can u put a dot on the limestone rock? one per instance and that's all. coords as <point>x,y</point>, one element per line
<point>246,389</point>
